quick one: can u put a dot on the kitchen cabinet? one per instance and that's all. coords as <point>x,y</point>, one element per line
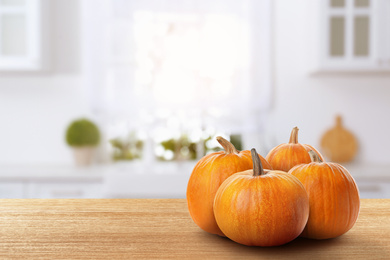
<point>169,180</point>
<point>62,190</point>
<point>355,35</point>
<point>51,182</point>
<point>22,35</point>
<point>12,190</point>
<point>137,180</point>
<point>162,180</point>
<point>372,189</point>
<point>53,189</point>
<point>373,180</point>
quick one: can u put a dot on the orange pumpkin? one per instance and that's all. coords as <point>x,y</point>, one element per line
<point>333,196</point>
<point>285,156</point>
<point>261,207</point>
<point>207,176</point>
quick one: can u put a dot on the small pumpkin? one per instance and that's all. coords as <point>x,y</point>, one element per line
<point>208,175</point>
<point>261,207</point>
<point>285,156</point>
<point>333,196</point>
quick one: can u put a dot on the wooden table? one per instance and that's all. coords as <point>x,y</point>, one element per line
<point>142,229</point>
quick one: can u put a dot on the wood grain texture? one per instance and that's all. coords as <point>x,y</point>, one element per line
<point>162,229</point>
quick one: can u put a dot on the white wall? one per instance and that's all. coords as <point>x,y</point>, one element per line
<point>311,102</point>
<point>36,107</point>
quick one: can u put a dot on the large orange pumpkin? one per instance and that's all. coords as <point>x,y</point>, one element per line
<point>261,207</point>
<point>333,195</point>
<point>208,175</point>
<point>285,156</point>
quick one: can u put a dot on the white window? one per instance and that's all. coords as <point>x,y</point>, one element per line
<point>191,60</point>
<point>175,68</point>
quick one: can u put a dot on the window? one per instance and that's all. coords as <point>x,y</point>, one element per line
<point>190,60</point>
<point>179,69</point>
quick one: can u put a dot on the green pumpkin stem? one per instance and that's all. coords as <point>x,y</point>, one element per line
<point>257,166</point>
<point>228,146</point>
<point>314,157</point>
<point>294,136</point>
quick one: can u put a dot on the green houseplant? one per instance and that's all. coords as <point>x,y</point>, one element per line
<point>83,136</point>
<point>127,148</point>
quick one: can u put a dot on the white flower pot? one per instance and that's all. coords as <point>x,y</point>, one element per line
<point>83,155</point>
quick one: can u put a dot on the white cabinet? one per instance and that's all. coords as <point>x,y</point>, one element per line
<point>56,190</point>
<point>162,180</point>
<point>12,190</point>
<point>129,180</point>
<point>50,190</point>
<point>374,190</point>
<point>51,182</point>
<point>373,180</point>
<point>355,35</point>
<point>21,35</point>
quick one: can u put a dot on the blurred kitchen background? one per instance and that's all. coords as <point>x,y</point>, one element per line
<point>152,82</point>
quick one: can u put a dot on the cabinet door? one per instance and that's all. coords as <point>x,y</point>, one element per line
<point>12,190</point>
<point>66,190</point>
<point>374,190</point>
<point>20,35</point>
<point>382,31</point>
<point>350,34</point>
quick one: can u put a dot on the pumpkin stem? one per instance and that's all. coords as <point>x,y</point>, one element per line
<point>294,136</point>
<point>339,121</point>
<point>314,157</point>
<point>257,166</point>
<point>228,146</point>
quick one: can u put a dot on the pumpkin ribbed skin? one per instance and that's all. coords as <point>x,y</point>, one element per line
<point>206,177</point>
<point>333,196</point>
<point>285,156</point>
<point>266,210</point>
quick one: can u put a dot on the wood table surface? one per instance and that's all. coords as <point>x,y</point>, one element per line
<point>162,229</point>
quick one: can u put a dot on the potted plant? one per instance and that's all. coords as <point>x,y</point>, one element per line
<point>83,136</point>
<point>127,148</point>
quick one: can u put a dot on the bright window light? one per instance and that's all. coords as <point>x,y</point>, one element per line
<point>188,59</point>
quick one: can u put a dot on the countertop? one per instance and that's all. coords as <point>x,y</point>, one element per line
<point>162,228</point>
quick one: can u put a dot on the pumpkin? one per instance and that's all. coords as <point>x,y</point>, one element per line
<point>261,207</point>
<point>333,197</point>
<point>285,156</point>
<point>207,176</point>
